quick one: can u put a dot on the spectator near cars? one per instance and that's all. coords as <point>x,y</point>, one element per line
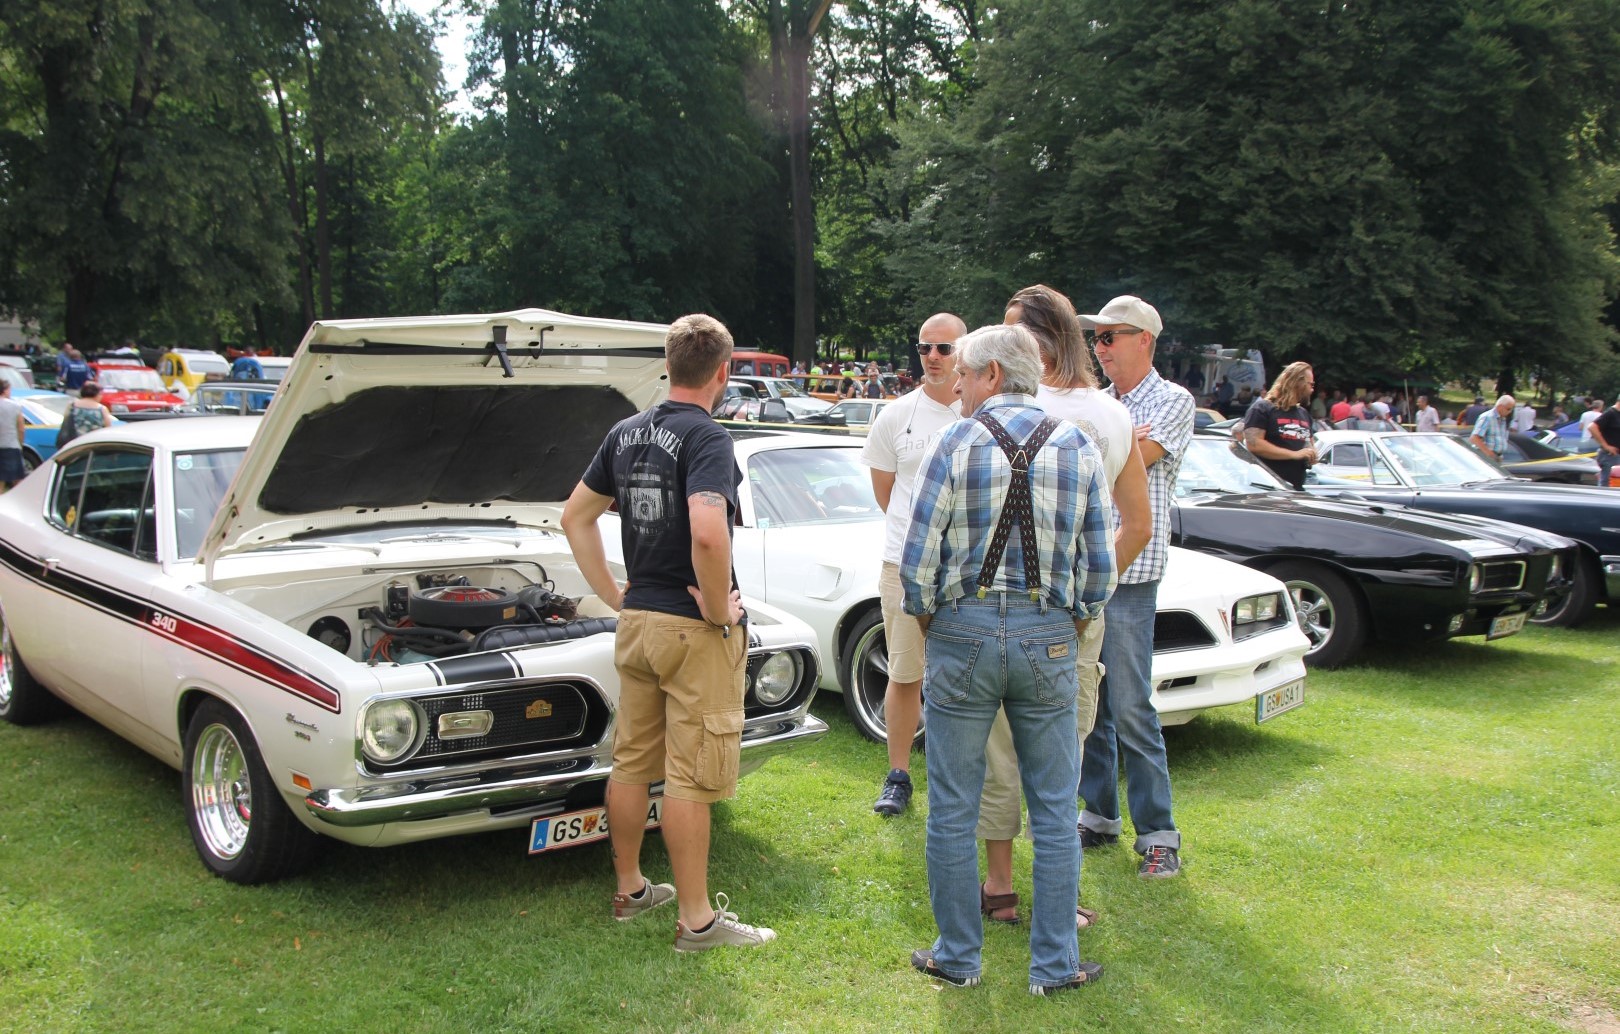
<point>12,428</point>
<point>72,371</point>
<point>1492,427</point>
<point>1606,431</point>
<point>1277,427</point>
<point>1428,418</point>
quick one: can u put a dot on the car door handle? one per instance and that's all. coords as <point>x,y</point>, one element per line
<point>50,564</point>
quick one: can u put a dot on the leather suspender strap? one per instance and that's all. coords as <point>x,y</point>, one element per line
<point>1019,506</point>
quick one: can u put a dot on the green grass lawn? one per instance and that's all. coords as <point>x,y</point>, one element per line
<point>1428,845</point>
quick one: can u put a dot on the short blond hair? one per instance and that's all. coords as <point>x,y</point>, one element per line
<point>694,348</point>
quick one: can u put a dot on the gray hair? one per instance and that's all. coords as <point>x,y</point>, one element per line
<point>1013,348</point>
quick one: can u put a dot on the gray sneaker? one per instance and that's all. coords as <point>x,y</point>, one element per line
<point>725,930</point>
<point>628,906</point>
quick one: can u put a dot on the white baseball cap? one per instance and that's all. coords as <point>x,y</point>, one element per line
<point>1129,310</point>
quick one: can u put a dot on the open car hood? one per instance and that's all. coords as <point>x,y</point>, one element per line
<point>436,418</point>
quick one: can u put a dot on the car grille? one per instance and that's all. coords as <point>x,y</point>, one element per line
<point>1501,575</point>
<point>528,718</point>
<point>1179,630</point>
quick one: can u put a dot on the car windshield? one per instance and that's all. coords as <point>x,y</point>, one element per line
<point>1223,465</point>
<point>211,362</point>
<point>789,390</point>
<point>127,379</point>
<point>810,486</point>
<point>1429,460</point>
<point>55,405</point>
<point>200,481</point>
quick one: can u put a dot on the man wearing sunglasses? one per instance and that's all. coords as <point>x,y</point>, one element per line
<point>1123,335</point>
<point>894,451</point>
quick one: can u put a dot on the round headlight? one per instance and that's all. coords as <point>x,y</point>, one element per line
<point>777,678</point>
<point>388,730</point>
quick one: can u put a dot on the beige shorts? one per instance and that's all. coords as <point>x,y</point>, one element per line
<point>681,686</point>
<point>999,807</point>
<point>903,635</point>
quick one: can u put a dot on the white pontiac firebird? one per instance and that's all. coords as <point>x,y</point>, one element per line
<point>356,615</point>
<point>810,540</point>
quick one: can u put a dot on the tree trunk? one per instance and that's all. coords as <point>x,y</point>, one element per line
<point>803,206</point>
<point>295,205</point>
<point>323,227</point>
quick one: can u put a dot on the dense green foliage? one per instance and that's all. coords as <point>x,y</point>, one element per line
<point>1425,188</point>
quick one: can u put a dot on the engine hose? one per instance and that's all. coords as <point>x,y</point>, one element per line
<point>377,618</point>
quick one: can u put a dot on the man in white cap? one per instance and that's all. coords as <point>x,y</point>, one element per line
<point>1491,429</point>
<point>1124,334</point>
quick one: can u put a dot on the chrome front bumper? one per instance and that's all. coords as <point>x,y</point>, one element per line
<point>415,800</point>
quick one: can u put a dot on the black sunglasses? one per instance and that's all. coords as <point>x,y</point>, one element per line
<point>924,347</point>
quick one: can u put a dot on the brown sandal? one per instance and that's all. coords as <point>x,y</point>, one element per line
<point>1084,917</point>
<point>989,904</point>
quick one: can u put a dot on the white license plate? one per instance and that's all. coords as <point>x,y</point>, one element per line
<point>1283,698</point>
<point>1507,624</point>
<point>581,827</point>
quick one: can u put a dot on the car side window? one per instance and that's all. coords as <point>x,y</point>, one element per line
<point>1349,455</point>
<point>105,496</point>
<point>1381,473</point>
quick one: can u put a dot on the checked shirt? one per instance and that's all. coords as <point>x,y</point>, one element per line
<point>1169,409</point>
<point>961,489</point>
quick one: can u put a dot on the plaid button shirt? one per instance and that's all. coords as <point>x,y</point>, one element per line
<point>960,491</point>
<point>1493,428</point>
<point>1169,409</point>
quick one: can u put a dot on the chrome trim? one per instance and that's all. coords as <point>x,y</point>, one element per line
<point>1485,567</point>
<point>418,799</point>
<point>1611,576</point>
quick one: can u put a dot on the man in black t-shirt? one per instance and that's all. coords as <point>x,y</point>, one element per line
<point>1277,427</point>
<point>1606,431</point>
<point>680,649</point>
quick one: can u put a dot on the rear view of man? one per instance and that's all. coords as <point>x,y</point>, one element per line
<point>680,649</point>
<point>1606,432</point>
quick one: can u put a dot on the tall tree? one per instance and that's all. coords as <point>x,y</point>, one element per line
<point>131,164</point>
<point>1373,187</point>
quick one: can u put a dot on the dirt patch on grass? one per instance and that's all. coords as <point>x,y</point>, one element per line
<point>1592,1019</point>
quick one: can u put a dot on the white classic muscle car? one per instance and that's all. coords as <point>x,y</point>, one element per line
<point>356,616</point>
<point>810,541</point>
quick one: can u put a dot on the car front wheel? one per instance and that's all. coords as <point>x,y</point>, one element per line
<point>863,672</point>
<point>242,828</point>
<point>1574,606</point>
<point>1329,611</point>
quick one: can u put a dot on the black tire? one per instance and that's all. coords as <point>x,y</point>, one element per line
<point>863,672</point>
<point>23,699</point>
<point>1329,610</point>
<point>31,460</point>
<point>241,826</point>
<point>1576,605</point>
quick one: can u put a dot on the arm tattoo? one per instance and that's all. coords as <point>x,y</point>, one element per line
<point>714,499</point>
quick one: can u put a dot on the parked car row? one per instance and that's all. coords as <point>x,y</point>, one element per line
<point>328,642</point>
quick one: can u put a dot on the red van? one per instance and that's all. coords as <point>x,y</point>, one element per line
<point>759,364</point>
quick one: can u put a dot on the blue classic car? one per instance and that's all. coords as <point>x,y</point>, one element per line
<point>1438,472</point>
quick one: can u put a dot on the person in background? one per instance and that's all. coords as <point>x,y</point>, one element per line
<point>1491,428</point>
<point>72,372</point>
<point>1428,418</point>
<point>1606,432</point>
<point>1003,613</point>
<point>1277,427</point>
<point>87,413</point>
<point>246,366</point>
<point>1319,407</point>
<point>1340,410</point>
<point>1470,414</point>
<point>1524,418</point>
<point>1068,391</point>
<point>12,428</point>
<point>1592,412</point>
<point>1125,333</point>
<point>681,650</point>
<point>894,451</point>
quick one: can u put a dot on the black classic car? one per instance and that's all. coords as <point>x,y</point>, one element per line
<point>1437,472</point>
<point>1357,569</point>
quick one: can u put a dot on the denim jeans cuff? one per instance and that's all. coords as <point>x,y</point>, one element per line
<point>1097,824</point>
<point>1158,838</point>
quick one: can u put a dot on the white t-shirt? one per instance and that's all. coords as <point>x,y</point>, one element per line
<point>1103,418</point>
<point>9,411</point>
<point>1587,419</point>
<point>1524,417</point>
<point>896,443</point>
<point>1428,419</point>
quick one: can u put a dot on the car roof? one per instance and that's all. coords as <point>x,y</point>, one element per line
<point>183,434</point>
<point>749,441</point>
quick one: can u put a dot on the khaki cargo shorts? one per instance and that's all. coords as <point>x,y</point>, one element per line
<point>903,635</point>
<point>681,686</point>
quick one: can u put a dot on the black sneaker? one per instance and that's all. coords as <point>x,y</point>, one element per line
<point>922,960</point>
<point>1090,973</point>
<point>1159,863</point>
<point>1090,838</point>
<point>896,795</point>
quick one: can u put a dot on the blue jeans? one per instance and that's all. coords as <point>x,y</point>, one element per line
<point>1606,461</point>
<point>982,655</point>
<point>1127,724</point>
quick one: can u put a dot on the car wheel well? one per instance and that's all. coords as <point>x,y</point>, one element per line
<point>846,624</point>
<point>1345,630</point>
